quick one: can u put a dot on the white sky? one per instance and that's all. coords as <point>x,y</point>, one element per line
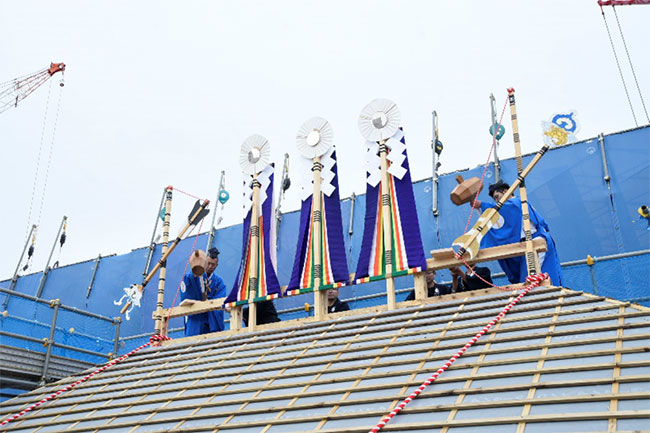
<point>164,92</point>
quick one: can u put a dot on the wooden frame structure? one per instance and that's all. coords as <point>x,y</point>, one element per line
<point>441,259</point>
<point>582,360</point>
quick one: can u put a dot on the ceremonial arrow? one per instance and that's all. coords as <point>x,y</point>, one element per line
<point>200,211</point>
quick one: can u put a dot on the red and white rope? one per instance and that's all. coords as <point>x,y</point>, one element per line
<point>183,192</point>
<point>154,338</point>
<point>533,280</point>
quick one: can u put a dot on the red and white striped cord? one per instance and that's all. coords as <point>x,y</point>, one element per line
<point>533,280</point>
<point>154,338</point>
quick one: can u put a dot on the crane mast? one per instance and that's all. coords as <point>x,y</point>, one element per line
<point>14,91</point>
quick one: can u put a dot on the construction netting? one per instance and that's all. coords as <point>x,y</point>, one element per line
<point>588,192</point>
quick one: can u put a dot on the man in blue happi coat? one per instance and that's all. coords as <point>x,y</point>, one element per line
<point>207,286</point>
<point>509,229</point>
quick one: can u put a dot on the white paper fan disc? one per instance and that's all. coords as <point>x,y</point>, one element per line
<point>255,154</point>
<point>379,120</point>
<point>314,138</point>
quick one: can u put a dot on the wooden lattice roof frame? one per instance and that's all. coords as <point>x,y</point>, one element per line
<point>561,360</point>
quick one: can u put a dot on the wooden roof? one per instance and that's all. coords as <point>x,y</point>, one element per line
<point>560,361</point>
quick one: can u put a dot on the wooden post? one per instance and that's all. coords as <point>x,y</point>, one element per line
<point>420,283</point>
<point>320,296</point>
<point>254,249</point>
<point>532,259</point>
<point>163,268</point>
<point>236,317</point>
<point>386,225</point>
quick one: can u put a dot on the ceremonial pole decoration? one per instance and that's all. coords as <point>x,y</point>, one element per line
<point>163,268</point>
<point>561,129</point>
<point>320,261</point>
<point>470,242</point>
<point>532,259</point>
<point>133,294</point>
<point>256,280</point>
<point>392,245</point>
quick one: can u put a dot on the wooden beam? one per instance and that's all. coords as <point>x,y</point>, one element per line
<point>193,307</point>
<point>446,258</point>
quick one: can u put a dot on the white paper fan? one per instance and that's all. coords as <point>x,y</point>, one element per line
<point>379,120</point>
<point>255,154</point>
<point>314,137</point>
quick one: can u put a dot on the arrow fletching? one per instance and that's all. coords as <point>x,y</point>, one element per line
<point>200,216</point>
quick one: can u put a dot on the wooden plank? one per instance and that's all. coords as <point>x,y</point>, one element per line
<point>616,374</point>
<point>193,307</point>
<point>533,326</point>
<point>445,258</point>
<point>493,375</point>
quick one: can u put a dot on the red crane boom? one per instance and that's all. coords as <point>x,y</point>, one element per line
<point>14,91</point>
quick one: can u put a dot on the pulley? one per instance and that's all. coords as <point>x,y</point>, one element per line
<point>500,130</point>
<point>223,196</point>
<point>438,148</point>
<point>286,183</point>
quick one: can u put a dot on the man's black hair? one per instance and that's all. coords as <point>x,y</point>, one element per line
<point>498,186</point>
<point>213,253</point>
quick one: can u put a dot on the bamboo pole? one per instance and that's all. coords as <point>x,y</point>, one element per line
<point>532,259</point>
<point>320,296</point>
<point>254,246</point>
<point>158,325</point>
<point>386,226</point>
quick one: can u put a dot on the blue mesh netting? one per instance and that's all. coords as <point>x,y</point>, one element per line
<point>567,187</point>
<point>608,278</point>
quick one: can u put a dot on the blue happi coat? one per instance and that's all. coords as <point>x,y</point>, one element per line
<point>191,288</point>
<point>511,232</point>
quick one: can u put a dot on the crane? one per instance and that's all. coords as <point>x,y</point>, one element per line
<point>14,91</point>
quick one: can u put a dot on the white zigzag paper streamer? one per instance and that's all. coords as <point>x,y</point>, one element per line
<point>264,177</point>
<point>327,175</point>
<point>396,155</point>
<point>373,163</point>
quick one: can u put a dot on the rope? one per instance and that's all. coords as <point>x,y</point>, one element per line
<point>186,193</point>
<point>618,65</point>
<point>152,339</point>
<point>533,280</point>
<point>38,161</point>
<point>631,66</point>
<point>494,140</point>
<point>49,157</point>
<point>482,279</point>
